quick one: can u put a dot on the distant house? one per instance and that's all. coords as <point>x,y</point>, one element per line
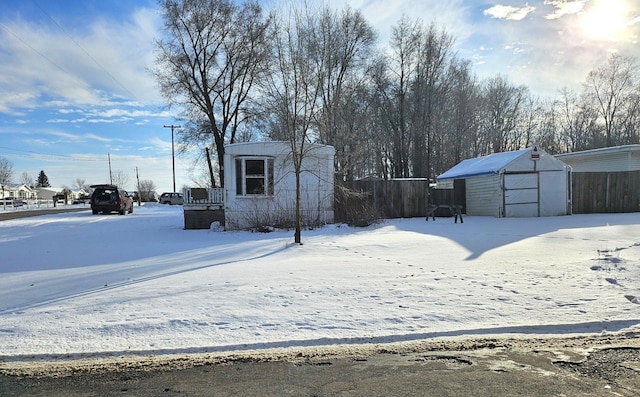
<point>523,183</point>
<point>260,188</point>
<point>80,193</point>
<point>46,193</point>
<point>609,159</point>
<point>23,192</point>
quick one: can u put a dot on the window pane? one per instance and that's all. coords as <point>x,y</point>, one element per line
<point>255,185</point>
<point>254,167</point>
<point>270,176</point>
<point>239,177</point>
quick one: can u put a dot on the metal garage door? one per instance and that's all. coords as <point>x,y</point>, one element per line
<point>521,194</point>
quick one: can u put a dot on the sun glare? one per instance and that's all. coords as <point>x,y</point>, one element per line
<point>605,20</point>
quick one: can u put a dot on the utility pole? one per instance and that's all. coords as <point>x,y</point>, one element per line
<point>173,156</point>
<point>110,174</point>
<point>139,192</point>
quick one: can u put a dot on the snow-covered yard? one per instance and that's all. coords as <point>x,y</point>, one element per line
<point>79,284</point>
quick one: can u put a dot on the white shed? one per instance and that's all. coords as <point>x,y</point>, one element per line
<point>260,187</point>
<point>523,183</point>
<point>609,159</point>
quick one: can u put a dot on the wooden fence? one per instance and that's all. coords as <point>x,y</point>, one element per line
<point>395,198</point>
<point>592,192</point>
<point>600,192</point>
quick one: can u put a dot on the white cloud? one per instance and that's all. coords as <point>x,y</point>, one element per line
<point>509,12</point>
<point>384,14</point>
<point>564,7</point>
<point>42,62</point>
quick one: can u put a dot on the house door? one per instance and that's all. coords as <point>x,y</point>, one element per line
<point>521,194</point>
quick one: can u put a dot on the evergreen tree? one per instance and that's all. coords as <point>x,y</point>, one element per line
<point>43,180</point>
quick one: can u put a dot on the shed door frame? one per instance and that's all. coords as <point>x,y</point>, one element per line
<point>521,198</point>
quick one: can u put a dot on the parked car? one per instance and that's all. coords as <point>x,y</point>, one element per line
<point>109,198</point>
<point>81,200</point>
<point>13,201</point>
<point>171,198</point>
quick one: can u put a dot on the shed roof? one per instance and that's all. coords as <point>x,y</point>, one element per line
<point>485,165</point>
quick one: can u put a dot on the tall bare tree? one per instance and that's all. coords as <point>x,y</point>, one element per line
<point>613,87</point>
<point>460,111</point>
<point>213,54</point>
<point>429,91</point>
<point>405,47</point>
<point>6,173</point>
<point>293,89</point>
<point>577,121</point>
<point>502,109</point>
<point>345,46</point>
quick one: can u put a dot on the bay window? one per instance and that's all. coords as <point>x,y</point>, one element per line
<point>254,176</point>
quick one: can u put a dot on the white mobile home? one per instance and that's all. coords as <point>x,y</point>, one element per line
<point>609,159</point>
<point>523,183</point>
<point>260,184</point>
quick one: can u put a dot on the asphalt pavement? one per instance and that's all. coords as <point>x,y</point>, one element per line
<point>17,213</point>
<point>579,366</point>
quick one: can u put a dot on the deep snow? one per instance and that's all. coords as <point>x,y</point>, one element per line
<point>81,284</point>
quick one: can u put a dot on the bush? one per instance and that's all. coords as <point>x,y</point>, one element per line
<point>354,208</point>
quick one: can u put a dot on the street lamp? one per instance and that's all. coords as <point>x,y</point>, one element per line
<point>173,156</point>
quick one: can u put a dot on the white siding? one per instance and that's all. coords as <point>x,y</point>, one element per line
<point>635,161</point>
<point>613,159</point>
<point>317,186</point>
<point>600,163</point>
<point>525,163</point>
<point>484,196</point>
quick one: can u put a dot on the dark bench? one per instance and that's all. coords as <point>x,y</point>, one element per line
<point>456,210</point>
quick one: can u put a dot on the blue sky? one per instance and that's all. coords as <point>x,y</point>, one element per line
<point>76,88</point>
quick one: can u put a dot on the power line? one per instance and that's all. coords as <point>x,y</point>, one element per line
<point>74,42</point>
<point>86,52</point>
<point>5,27</point>
<point>48,156</point>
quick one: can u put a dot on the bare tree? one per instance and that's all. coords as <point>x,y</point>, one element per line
<point>429,90</point>
<point>577,122</point>
<point>80,184</point>
<point>461,108</point>
<point>502,110</point>
<point>405,46</point>
<point>120,179</point>
<point>6,173</point>
<point>346,43</point>
<point>293,89</point>
<point>612,87</point>
<point>26,179</point>
<point>214,52</point>
<point>146,187</point>
<point>412,84</point>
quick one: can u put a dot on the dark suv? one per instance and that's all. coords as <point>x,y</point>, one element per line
<point>108,198</point>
